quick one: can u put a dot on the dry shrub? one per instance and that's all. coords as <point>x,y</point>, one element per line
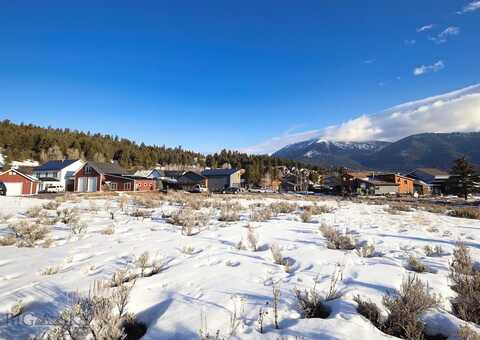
<point>100,315</point>
<point>123,202</point>
<point>466,333</point>
<point>51,205</point>
<point>146,201</point>
<point>336,240</point>
<point>142,262</point>
<point>367,250</point>
<point>68,215</point>
<point>188,219</point>
<point>405,308</point>
<point>110,230</point>
<point>17,309</point>
<point>33,212</point>
<point>229,212</point>
<point>141,214</point>
<point>370,311</point>
<point>8,240</point>
<point>397,207</point>
<point>283,207</point>
<point>51,270</point>
<point>435,209</point>
<point>261,214</point>
<point>466,283</point>
<point>472,213</point>
<point>277,254</point>
<point>78,227</point>
<point>414,264</point>
<point>432,252</point>
<point>252,239</point>
<point>311,304</point>
<point>315,209</point>
<point>187,250</point>
<point>306,216</point>
<point>27,234</point>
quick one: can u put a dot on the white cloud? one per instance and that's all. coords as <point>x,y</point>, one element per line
<point>369,61</point>
<point>439,65</point>
<point>457,111</point>
<point>425,28</point>
<point>410,42</point>
<point>443,36</point>
<point>472,6</point>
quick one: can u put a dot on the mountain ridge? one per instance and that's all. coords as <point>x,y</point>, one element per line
<point>418,150</point>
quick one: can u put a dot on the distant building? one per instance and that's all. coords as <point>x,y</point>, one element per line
<point>377,183</point>
<point>15,183</point>
<point>294,182</point>
<point>191,181</point>
<point>57,173</point>
<point>220,179</point>
<point>367,186</point>
<point>94,176</point>
<point>436,180</point>
<point>151,173</point>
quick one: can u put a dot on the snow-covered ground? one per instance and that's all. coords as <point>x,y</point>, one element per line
<point>216,278</point>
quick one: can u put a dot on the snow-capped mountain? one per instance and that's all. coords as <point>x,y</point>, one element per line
<point>422,150</point>
<point>326,152</point>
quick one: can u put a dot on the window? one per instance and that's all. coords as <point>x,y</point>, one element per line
<point>88,169</point>
<point>127,186</point>
<point>113,186</point>
<point>405,181</point>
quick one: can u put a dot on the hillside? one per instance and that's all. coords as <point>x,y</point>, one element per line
<point>20,142</point>
<point>423,150</point>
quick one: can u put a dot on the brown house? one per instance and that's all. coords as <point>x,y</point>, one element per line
<point>93,177</point>
<point>403,184</point>
<point>16,183</point>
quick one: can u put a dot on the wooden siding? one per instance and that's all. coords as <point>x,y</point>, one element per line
<point>29,187</point>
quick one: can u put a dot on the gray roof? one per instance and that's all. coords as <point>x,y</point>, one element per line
<point>219,172</point>
<point>55,165</point>
<point>108,168</point>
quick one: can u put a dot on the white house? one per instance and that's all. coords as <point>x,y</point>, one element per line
<point>58,172</point>
<point>152,173</point>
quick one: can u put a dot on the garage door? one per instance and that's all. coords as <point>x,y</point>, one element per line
<point>14,189</point>
<point>92,184</point>
<point>81,184</point>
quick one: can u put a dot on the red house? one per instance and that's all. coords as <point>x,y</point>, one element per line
<point>16,183</point>
<point>93,177</point>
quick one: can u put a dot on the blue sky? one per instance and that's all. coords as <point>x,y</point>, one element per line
<point>221,74</point>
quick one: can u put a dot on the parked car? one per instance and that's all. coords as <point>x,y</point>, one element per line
<point>54,188</point>
<point>3,189</point>
<point>231,190</point>
<point>198,189</point>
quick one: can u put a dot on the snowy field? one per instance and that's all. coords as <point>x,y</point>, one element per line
<point>208,281</point>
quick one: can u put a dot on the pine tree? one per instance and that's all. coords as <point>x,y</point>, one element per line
<point>464,177</point>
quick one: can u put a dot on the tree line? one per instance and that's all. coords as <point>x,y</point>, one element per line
<point>27,141</point>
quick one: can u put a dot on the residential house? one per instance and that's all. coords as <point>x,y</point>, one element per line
<point>368,186</point>
<point>191,180</point>
<point>387,183</point>
<point>294,182</point>
<point>150,173</point>
<point>15,183</point>
<point>405,184</point>
<point>437,180</point>
<point>220,179</point>
<point>94,176</point>
<point>58,172</point>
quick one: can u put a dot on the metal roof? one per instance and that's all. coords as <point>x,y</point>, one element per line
<point>55,165</point>
<point>219,172</point>
<point>108,168</point>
